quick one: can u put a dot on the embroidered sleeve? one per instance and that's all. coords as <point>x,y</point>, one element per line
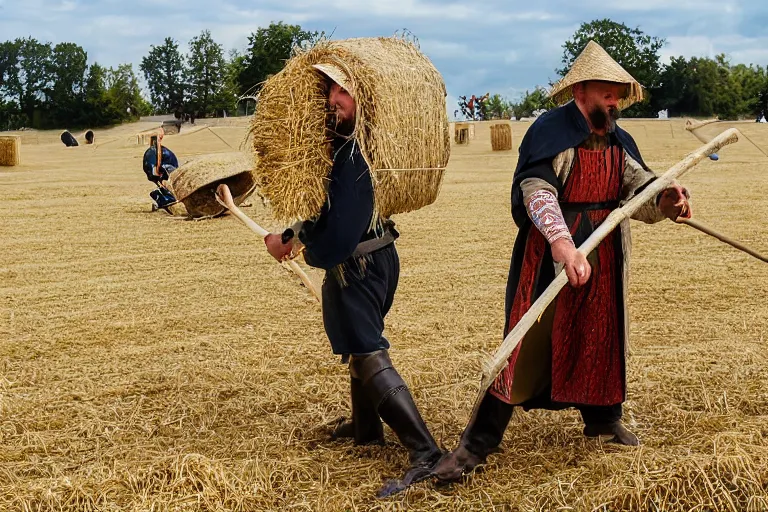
<point>545,213</point>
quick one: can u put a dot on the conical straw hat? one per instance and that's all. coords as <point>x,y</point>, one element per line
<point>594,63</point>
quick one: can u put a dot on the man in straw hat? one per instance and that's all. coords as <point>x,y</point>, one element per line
<point>363,267</point>
<point>575,166</point>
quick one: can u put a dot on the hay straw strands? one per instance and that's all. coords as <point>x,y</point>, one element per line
<point>195,182</point>
<point>388,77</point>
<point>223,396</point>
<point>10,150</point>
<point>501,137</point>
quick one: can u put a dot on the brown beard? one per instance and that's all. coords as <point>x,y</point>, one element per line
<point>600,119</point>
<point>339,127</point>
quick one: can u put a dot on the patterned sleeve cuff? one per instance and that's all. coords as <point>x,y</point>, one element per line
<point>546,215</point>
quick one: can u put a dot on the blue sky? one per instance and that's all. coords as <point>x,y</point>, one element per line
<point>495,46</point>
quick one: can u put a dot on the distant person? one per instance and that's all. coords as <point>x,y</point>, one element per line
<point>158,171</point>
<point>89,138</point>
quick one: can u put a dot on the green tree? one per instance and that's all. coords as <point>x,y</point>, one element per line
<point>207,71</point>
<point>96,103</point>
<point>164,70</point>
<point>27,82</point>
<point>268,49</point>
<point>752,81</point>
<point>123,97</point>
<point>497,107</point>
<point>68,67</point>
<point>637,52</point>
<point>538,99</point>
<point>676,90</point>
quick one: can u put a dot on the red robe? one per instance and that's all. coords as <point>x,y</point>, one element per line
<point>585,326</point>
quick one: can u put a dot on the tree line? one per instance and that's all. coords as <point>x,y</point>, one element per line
<point>48,86</point>
<point>45,86</point>
<point>698,86</point>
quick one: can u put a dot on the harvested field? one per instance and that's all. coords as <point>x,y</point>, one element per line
<point>150,363</point>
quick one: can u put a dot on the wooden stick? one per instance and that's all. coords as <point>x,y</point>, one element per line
<point>733,243</point>
<point>501,358</point>
<point>219,137</point>
<point>224,197</point>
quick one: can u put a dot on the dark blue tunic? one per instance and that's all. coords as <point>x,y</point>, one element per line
<point>353,312</point>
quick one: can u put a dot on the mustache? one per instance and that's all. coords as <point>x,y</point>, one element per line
<point>600,119</point>
<point>337,125</point>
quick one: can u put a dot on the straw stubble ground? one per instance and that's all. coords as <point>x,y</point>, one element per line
<point>149,363</point>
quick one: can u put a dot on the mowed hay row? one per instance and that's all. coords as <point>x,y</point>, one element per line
<point>10,150</point>
<point>153,364</point>
<point>501,137</point>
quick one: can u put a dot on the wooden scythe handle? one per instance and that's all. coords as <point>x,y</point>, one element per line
<point>733,243</point>
<point>224,197</point>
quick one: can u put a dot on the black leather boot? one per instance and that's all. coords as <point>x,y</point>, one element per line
<point>395,405</point>
<point>365,426</point>
<point>483,435</point>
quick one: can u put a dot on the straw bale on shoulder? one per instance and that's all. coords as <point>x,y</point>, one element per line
<point>402,127</point>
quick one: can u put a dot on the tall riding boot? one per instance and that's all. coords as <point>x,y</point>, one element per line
<point>483,435</point>
<point>395,405</point>
<point>365,426</point>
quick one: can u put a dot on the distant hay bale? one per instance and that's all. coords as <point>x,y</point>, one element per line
<point>461,133</point>
<point>402,127</point>
<point>172,127</point>
<point>10,150</point>
<point>143,138</point>
<point>501,137</point>
<point>195,182</point>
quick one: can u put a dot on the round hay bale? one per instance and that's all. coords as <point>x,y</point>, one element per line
<point>194,183</point>
<point>501,137</point>
<point>68,139</point>
<point>401,127</point>
<point>461,133</point>
<point>10,150</point>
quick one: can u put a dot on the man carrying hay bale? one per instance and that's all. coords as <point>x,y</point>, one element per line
<point>357,250</point>
<point>575,166</point>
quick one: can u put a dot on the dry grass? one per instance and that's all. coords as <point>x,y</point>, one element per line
<point>148,363</point>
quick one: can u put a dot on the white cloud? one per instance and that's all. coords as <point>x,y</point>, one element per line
<point>487,45</point>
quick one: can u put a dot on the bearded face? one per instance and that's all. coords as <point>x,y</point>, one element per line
<point>342,111</point>
<point>605,118</point>
<point>600,102</point>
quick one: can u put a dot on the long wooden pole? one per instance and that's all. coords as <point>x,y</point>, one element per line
<point>224,197</point>
<point>733,243</point>
<point>501,357</point>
